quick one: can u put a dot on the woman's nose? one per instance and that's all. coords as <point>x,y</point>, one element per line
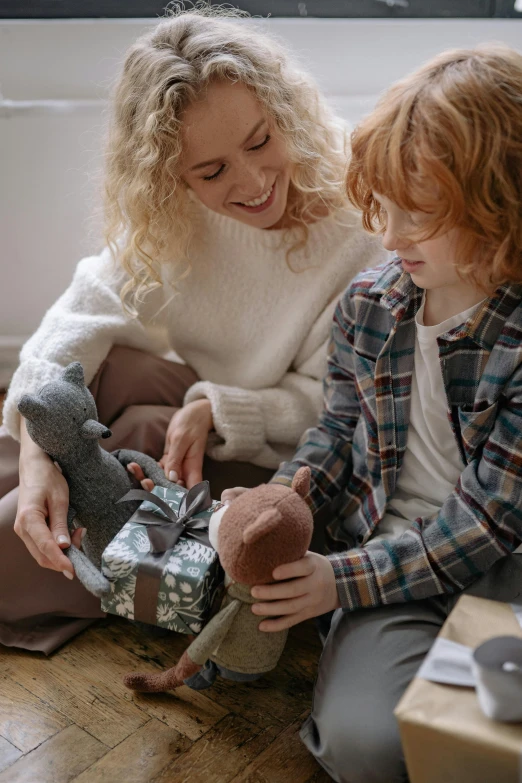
<point>251,182</point>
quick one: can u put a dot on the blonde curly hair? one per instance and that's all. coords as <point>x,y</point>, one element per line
<point>147,214</point>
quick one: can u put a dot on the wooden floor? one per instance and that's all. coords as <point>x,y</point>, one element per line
<point>68,717</point>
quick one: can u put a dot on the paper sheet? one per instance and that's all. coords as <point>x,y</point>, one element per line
<point>448,662</point>
<point>517,608</point>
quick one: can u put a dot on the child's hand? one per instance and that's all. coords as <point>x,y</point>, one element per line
<point>309,590</point>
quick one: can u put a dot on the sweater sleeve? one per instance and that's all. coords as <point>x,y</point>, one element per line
<point>263,426</point>
<point>82,325</point>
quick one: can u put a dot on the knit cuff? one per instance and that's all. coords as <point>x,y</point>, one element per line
<point>238,421</point>
<point>28,379</point>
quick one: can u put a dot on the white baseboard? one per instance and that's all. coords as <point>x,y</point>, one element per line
<point>9,352</point>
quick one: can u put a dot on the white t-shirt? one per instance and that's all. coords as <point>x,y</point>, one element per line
<point>432,463</point>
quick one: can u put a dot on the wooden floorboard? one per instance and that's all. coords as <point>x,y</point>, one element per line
<point>68,717</point>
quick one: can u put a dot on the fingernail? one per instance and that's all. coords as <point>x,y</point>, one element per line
<point>67,574</point>
<point>226,502</point>
<point>131,470</point>
<point>82,536</point>
<point>63,540</point>
<point>173,476</point>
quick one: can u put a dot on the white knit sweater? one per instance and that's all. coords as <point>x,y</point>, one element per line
<point>254,331</point>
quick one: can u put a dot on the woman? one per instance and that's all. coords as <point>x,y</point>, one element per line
<point>229,240</point>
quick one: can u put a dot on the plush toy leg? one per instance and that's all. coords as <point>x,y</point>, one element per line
<point>166,681</point>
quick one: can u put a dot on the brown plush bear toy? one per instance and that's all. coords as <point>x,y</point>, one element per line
<point>263,528</point>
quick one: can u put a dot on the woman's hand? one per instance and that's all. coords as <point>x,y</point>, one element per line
<point>309,590</point>
<point>186,441</point>
<point>185,445</point>
<point>43,502</point>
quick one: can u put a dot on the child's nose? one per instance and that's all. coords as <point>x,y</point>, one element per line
<point>392,240</point>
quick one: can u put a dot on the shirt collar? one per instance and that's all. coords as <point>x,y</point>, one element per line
<point>397,290</point>
<point>395,287</point>
<point>484,326</point>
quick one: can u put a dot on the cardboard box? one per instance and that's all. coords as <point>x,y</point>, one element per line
<point>445,735</point>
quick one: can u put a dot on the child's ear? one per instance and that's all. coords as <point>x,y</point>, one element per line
<point>265,523</point>
<point>30,407</point>
<point>301,481</point>
<point>73,373</point>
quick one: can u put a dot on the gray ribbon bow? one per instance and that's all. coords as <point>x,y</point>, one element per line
<point>164,533</point>
<point>163,536</point>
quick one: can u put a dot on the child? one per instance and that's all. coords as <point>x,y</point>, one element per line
<point>230,235</point>
<point>417,458</point>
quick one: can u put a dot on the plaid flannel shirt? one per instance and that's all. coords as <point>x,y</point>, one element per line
<point>356,451</point>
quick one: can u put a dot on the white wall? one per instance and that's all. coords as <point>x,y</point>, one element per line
<point>54,77</point>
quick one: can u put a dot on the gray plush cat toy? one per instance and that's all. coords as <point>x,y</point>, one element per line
<point>62,419</point>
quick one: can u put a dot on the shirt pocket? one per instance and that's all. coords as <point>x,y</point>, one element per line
<point>475,428</point>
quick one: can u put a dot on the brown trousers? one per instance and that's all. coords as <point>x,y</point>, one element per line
<point>136,395</point>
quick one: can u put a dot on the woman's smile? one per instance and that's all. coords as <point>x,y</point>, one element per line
<point>260,204</point>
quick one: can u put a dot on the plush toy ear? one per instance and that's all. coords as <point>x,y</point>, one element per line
<point>265,523</point>
<point>92,430</point>
<point>73,373</point>
<point>30,407</point>
<point>301,481</point>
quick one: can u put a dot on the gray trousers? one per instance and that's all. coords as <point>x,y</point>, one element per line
<point>136,395</point>
<point>368,660</point>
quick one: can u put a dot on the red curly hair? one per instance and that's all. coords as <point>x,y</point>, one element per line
<point>447,141</point>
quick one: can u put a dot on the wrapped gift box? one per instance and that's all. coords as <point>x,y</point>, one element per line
<point>445,735</point>
<point>161,565</point>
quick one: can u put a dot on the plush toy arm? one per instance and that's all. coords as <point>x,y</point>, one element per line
<point>150,467</point>
<point>192,659</point>
<point>92,579</point>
